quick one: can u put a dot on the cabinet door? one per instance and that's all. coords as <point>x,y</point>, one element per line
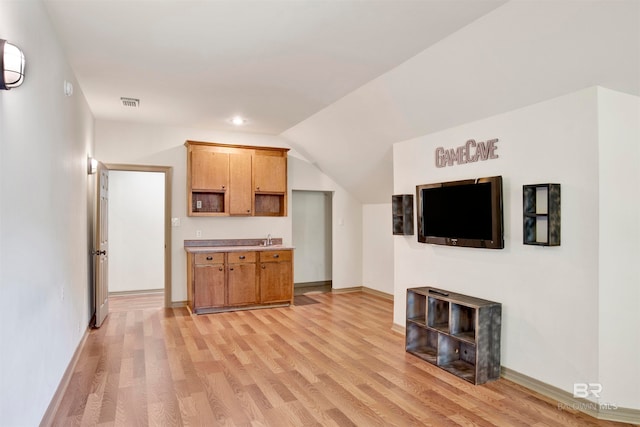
<point>276,282</point>
<point>209,169</point>
<point>208,284</point>
<point>242,286</point>
<point>239,184</point>
<point>270,173</point>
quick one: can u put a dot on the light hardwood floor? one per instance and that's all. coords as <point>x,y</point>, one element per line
<point>334,363</point>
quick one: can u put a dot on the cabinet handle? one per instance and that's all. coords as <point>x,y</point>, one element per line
<point>231,268</point>
<point>209,258</point>
<point>223,187</point>
<point>219,268</point>
<point>258,188</point>
<point>276,256</point>
<point>264,266</point>
<point>242,257</point>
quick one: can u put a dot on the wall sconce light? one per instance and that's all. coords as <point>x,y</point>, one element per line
<point>11,65</point>
<point>92,165</point>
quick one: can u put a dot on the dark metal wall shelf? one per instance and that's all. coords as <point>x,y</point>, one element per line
<point>541,214</point>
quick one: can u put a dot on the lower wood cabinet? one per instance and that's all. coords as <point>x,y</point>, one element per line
<point>224,281</point>
<point>276,276</point>
<point>242,285</point>
<point>208,280</point>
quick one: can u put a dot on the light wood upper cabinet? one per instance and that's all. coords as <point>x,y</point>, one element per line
<point>270,173</point>
<point>209,169</point>
<point>225,180</point>
<point>240,184</point>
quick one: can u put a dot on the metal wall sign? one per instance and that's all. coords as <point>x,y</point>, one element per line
<point>470,152</point>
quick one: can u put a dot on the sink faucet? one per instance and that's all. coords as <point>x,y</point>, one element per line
<point>269,242</point>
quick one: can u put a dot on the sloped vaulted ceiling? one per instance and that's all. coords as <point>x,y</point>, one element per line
<point>521,53</point>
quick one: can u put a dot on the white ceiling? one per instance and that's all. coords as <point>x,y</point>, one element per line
<point>198,63</point>
<point>342,80</point>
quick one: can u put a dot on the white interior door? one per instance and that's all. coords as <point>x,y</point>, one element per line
<point>102,243</point>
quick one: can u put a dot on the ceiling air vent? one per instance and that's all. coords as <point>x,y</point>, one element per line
<point>130,102</point>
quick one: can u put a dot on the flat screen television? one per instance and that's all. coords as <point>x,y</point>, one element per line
<point>461,213</point>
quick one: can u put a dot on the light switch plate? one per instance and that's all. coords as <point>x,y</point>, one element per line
<point>175,222</point>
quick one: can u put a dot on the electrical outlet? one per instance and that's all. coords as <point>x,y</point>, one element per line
<point>199,204</point>
<point>198,233</point>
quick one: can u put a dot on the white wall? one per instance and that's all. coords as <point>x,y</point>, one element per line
<point>44,188</point>
<point>549,294</point>
<point>346,239</point>
<point>119,142</point>
<point>136,214</point>
<point>311,221</point>
<point>377,247</point>
<point>619,238</point>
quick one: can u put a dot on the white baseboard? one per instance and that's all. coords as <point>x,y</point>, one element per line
<point>140,292</point>
<point>363,289</point>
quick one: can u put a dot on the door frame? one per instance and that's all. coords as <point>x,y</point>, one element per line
<point>168,179</point>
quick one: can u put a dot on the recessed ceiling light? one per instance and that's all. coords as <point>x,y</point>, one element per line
<point>238,121</point>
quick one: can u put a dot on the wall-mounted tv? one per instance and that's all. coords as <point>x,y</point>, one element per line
<point>461,213</point>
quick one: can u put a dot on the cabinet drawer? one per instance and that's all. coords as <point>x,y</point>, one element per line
<point>209,258</point>
<point>241,257</point>
<point>275,256</point>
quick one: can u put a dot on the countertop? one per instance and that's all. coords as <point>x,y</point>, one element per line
<point>235,248</point>
<point>233,245</point>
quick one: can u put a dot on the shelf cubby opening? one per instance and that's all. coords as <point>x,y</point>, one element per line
<point>457,357</point>
<point>207,202</point>
<point>416,308</point>
<point>269,204</point>
<point>398,224</point>
<point>463,323</point>
<point>422,342</point>
<point>438,314</point>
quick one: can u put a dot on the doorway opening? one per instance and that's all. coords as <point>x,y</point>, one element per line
<point>312,238</point>
<point>139,235</point>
